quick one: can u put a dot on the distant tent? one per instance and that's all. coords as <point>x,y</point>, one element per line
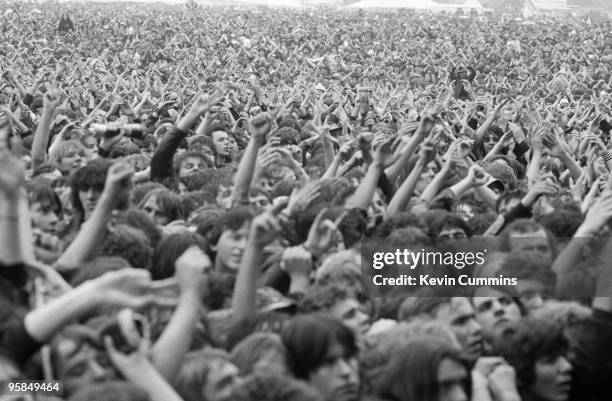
<point>466,6</point>
<point>409,4</point>
<point>507,6</point>
<point>273,3</point>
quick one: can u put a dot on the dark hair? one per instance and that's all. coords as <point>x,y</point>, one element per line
<point>288,121</point>
<point>528,340</point>
<point>507,196</point>
<point>442,220</point>
<point>308,339</point>
<point>412,372</point>
<point>190,153</point>
<point>123,149</point>
<point>40,191</point>
<point>287,135</point>
<point>563,222</point>
<point>129,243</point>
<point>217,126</point>
<point>141,190</point>
<point>398,221</point>
<point>479,223</point>
<point>233,219</point>
<point>140,220</point>
<point>517,167</point>
<point>92,175</point>
<point>168,251</point>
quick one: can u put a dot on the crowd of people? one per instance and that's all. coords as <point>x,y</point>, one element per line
<point>190,198</point>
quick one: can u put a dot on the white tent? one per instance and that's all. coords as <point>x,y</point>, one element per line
<point>270,3</point>
<point>410,4</point>
<point>466,6</point>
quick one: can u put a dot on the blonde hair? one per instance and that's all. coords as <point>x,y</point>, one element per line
<point>65,148</point>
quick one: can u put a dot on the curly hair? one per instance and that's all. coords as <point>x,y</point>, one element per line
<point>129,243</point>
<point>322,298</point>
<point>528,340</point>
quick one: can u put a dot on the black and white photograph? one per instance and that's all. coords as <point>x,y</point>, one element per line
<point>305,200</point>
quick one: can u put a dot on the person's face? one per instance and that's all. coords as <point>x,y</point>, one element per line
<point>489,141</point>
<point>452,381</point>
<point>533,241</point>
<point>81,365</point>
<point>376,209</point>
<point>495,311</point>
<point>508,205</point>
<point>223,195</point>
<point>43,217</point>
<point>426,176</point>
<point>72,161</point>
<point>450,233</point>
<point>191,165</point>
<point>352,314</point>
<point>233,145</point>
<point>222,378</point>
<point>89,198</point>
<point>259,201</point>
<point>91,149</point>
<point>338,377</point>
<point>460,316</point>
<point>553,380</point>
<point>266,183</point>
<point>151,208</point>
<point>222,143</point>
<point>231,245</point>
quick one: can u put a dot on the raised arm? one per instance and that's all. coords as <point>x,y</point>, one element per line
<point>264,229</point>
<point>365,191</point>
<point>425,127</point>
<point>404,193</point>
<point>161,162</point>
<point>168,351</point>
<point>118,183</point>
<point>51,101</point>
<point>259,127</point>
<point>495,114</point>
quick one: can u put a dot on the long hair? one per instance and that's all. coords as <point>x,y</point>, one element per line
<point>412,372</point>
<point>308,339</point>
